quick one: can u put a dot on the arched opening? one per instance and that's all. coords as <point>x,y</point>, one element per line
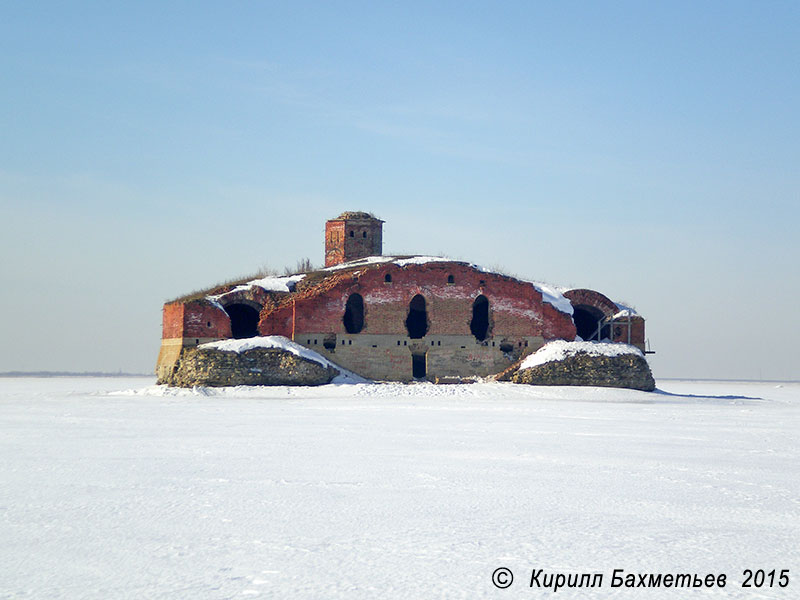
<point>244,320</point>
<point>417,320</point>
<point>354,314</point>
<point>587,318</point>
<point>451,279</point>
<point>387,278</point>
<point>479,325</point>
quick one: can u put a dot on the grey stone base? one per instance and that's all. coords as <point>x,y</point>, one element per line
<point>258,366</point>
<point>625,371</point>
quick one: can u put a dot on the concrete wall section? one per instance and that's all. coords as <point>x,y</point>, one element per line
<point>389,357</point>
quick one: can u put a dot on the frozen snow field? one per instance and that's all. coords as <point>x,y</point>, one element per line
<point>116,488</point>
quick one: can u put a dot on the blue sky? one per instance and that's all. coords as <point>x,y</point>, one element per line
<point>646,151</point>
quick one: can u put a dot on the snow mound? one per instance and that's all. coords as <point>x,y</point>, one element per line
<point>282,343</point>
<point>559,350</point>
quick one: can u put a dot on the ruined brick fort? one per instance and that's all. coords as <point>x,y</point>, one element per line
<point>396,318</point>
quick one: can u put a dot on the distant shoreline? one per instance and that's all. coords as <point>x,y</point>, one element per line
<point>72,374</point>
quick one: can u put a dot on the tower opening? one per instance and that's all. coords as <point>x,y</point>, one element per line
<point>587,319</point>
<point>354,314</point>
<point>244,320</point>
<point>417,320</point>
<point>479,325</point>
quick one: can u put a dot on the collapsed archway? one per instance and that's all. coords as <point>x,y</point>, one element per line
<point>479,325</point>
<point>354,314</point>
<point>244,320</point>
<point>417,320</point>
<point>587,320</point>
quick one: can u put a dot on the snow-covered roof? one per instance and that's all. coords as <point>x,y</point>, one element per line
<point>550,293</point>
<point>268,284</point>
<point>560,349</point>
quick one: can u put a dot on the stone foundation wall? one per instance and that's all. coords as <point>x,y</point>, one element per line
<point>259,366</point>
<point>625,371</point>
<point>389,357</point>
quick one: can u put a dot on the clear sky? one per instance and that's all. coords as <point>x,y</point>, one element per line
<point>648,151</point>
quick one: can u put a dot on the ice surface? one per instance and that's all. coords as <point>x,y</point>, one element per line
<point>121,489</point>
<point>560,349</point>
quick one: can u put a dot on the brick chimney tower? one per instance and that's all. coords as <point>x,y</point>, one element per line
<point>352,235</point>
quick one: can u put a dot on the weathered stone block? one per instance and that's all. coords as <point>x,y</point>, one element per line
<point>258,366</point>
<point>624,371</point>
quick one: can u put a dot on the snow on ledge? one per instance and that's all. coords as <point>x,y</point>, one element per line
<point>278,284</point>
<point>625,311</point>
<point>552,295</point>
<point>268,284</point>
<point>559,350</point>
<point>282,343</point>
<point>271,341</point>
<point>423,260</point>
<point>359,262</point>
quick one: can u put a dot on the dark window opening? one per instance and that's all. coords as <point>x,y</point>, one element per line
<point>349,342</point>
<point>354,314</point>
<point>482,283</point>
<point>587,319</point>
<point>352,234</point>
<point>418,366</point>
<point>365,234</point>
<point>451,279</point>
<point>479,325</point>
<point>244,320</point>
<point>439,343</point>
<point>417,320</point>
<point>387,278</point>
<point>208,324</point>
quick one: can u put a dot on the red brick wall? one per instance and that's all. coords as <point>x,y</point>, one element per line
<point>197,319</point>
<point>334,243</point>
<point>516,309</point>
<point>172,320</point>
